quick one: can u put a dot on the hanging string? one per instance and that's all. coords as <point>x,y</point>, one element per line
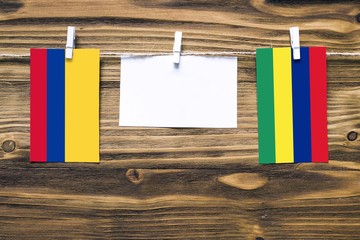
<point>125,54</point>
<point>129,54</point>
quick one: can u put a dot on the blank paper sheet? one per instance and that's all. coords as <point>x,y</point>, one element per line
<point>200,92</point>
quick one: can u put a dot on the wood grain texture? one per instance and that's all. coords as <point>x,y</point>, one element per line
<point>179,183</point>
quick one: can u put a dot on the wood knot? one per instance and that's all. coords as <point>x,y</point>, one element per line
<point>259,238</point>
<point>8,146</point>
<point>245,181</point>
<point>135,176</point>
<point>352,136</point>
<point>358,18</point>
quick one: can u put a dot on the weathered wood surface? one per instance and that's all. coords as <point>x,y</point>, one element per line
<point>180,183</point>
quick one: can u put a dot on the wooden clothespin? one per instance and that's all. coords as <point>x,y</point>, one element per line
<point>70,42</point>
<point>295,42</point>
<point>177,47</point>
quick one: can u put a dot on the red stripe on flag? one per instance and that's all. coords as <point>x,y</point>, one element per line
<point>38,105</point>
<point>318,105</point>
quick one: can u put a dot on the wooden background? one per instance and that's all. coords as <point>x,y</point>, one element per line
<point>180,183</point>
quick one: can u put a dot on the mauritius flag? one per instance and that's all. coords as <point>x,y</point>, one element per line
<point>64,105</point>
<point>292,115</point>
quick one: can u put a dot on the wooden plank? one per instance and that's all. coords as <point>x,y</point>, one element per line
<point>175,204</point>
<point>187,147</point>
<point>149,25</point>
<point>179,183</point>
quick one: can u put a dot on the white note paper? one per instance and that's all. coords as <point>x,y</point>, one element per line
<point>200,92</point>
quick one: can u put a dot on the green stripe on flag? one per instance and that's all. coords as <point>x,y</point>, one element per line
<point>265,97</point>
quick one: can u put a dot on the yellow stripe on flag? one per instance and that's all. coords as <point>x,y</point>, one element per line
<point>82,106</point>
<point>284,149</point>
